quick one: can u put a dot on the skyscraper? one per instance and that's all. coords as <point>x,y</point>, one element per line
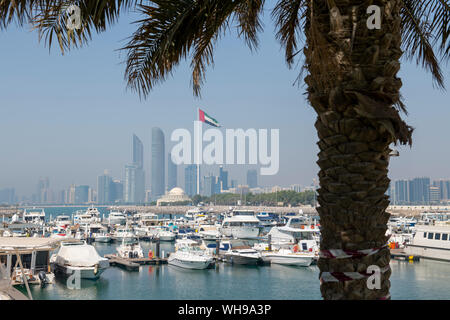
<point>401,192</point>
<point>43,190</point>
<point>134,190</point>
<point>158,163</point>
<point>190,180</point>
<point>172,170</point>
<point>117,191</point>
<point>138,152</point>
<point>104,186</point>
<point>419,190</point>
<point>223,179</point>
<point>81,194</point>
<point>252,178</point>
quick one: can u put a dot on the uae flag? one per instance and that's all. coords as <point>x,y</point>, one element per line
<point>203,117</point>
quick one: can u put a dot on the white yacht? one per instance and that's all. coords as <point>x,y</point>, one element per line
<point>97,231</point>
<point>60,232</point>
<point>297,231</point>
<point>289,257</point>
<point>130,248</point>
<point>243,224</point>
<point>62,220</point>
<point>91,215</point>
<point>117,218</point>
<point>123,233</point>
<point>195,214</point>
<point>77,256</point>
<point>188,254</point>
<point>166,235</point>
<point>240,252</point>
<point>36,216</point>
<point>431,242</point>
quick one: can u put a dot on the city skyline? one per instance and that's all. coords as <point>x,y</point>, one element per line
<point>82,125</point>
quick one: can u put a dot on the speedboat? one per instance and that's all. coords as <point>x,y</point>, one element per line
<point>60,233</point>
<point>166,235</point>
<point>240,252</point>
<point>123,233</point>
<point>288,257</point>
<point>62,221</point>
<point>188,254</point>
<point>130,249</point>
<point>77,256</point>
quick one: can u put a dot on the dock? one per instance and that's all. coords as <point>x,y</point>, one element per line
<point>133,264</point>
<point>400,254</point>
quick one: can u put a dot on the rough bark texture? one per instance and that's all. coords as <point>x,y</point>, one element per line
<point>353,87</point>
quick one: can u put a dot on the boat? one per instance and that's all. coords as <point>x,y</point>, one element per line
<point>35,216</point>
<point>130,248</point>
<point>77,256</point>
<point>288,257</point>
<point>240,252</point>
<point>243,224</point>
<point>267,219</point>
<point>62,221</point>
<point>60,232</point>
<point>188,254</point>
<point>165,235</point>
<point>91,215</point>
<point>97,232</point>
<point>298,230</point>
<point>430,242</point>
<point>123,233</point>
<point>117,218</point>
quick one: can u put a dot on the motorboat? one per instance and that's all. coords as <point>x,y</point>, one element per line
<point>288,257</point>
<point>267,219</point>
<point>123,233</point>
<point>77,256</point>
<point>190,255</point>
<point>130,248</point>
<point>62,221</point>
<point>91,215</point>
<point>298,230</point>
<point>35,216</point>
<point>243,224</point>
<point>166,235</point>
<point>97,232</point>
<point>60,232</point>
<point>240,252</point>
<point>117,218</point>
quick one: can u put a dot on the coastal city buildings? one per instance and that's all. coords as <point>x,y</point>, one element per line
<point>252,178</point>
<point>158,163</point>
<point>134,189</point>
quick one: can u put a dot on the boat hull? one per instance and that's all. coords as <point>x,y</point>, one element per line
<point>287,260</point>
<point>88,273</point>
<point>244,260</point>
<point>196,265</point>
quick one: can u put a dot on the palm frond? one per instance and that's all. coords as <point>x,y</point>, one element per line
<point>248,14</point>
<point>288,16</point>
<point>425,23</point>
<point>170,30</point>
<point>50,21</point>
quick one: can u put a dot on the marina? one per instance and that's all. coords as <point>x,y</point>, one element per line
<point>163,255</point>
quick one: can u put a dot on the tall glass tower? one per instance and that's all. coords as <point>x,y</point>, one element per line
<point>158,163</point>
<point>171,173</point>
<point>138,152</point>
<point>134,191</point>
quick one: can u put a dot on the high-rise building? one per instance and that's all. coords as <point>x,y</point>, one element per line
<point>210,186</point>
<point>43,190</point>
<point>435,195</point>
<point>172,171</point>
<point>81,194</point>
<point>401,192</point>
<point>117,191</point>
<point>223,179</point>
<point>444,189</point>
<point>419,190</point>
<point>252,178</point>
<point>104,188</point>
<point>158,167</point>
<point>138,152</point>
<point>134,189</point>
<point>7,196</point>
<point>190,180</point>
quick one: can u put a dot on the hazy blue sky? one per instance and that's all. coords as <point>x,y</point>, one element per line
<point>70,117</point>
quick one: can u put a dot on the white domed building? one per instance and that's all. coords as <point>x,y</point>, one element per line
<point>176,195</point>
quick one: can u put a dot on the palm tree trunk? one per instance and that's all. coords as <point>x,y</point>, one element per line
<point>353,87</point>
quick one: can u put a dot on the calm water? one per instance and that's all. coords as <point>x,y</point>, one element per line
<point>419,280</point>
